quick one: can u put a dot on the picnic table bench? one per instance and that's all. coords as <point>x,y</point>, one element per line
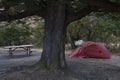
<point>11,49</point>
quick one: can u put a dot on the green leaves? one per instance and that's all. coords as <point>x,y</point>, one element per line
<point>39,33</point>
<point>104,27</point>
<point>15,34</point>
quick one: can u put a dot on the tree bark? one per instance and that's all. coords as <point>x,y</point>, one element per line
<point>53,55</point>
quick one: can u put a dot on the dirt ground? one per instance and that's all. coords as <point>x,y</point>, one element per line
<point>78,68</point>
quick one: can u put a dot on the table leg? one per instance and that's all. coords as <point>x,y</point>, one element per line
<point>28,49</point>
<point>10,52</point>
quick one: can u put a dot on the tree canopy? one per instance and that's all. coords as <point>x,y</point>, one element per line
<point>12,9</point>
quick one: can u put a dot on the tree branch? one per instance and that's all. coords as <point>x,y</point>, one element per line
<point>104,5</point>
<point>78,15</point>
<point>94,6</point>
<point>7,17</point>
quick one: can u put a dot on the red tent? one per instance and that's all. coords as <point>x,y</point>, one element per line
<point>91,50</point>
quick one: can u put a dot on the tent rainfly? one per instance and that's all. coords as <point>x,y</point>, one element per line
<point>91,49</point>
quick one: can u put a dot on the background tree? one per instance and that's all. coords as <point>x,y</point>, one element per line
<point>105,29</point>
<point>15,33</point>
<point>38,33</point>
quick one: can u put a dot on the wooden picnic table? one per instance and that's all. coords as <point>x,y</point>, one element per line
<point>11,49</point>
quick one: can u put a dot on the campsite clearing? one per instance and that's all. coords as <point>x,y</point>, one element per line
<point>78,68</point>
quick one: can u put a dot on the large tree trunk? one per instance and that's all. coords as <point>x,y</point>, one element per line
<point>53,55</point>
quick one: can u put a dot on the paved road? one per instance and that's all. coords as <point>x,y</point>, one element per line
<point>19,58</point>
